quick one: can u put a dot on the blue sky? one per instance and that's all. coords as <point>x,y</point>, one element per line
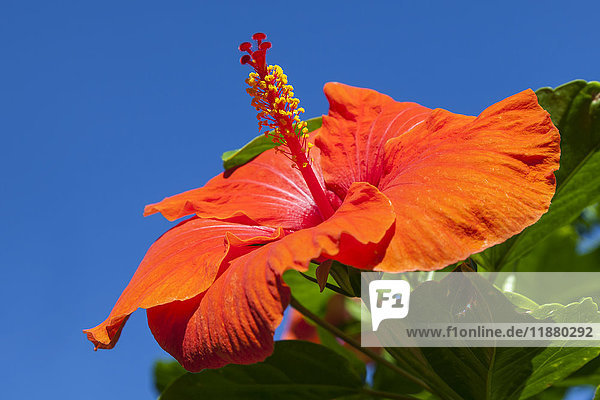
<point>105,107</point>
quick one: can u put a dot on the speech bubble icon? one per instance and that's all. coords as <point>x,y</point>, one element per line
<point>389,300</point>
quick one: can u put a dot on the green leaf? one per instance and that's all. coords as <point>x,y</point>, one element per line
<point>558,252</point>
<point>575,110</point>
<point>462,372</point>
<point>166,372</point>
<point>589,374</point>
<point>555,363</point>
<point>386,380</point>
<point>347,277</point>
<point>235,158</point>
<point>580,380</point>
<point>308,294</point>
<point>296,371</point>
<point>501,373</point>
<point>521,301</point>
<point>552,393</point>
<point>583,311</point>
<point>330,341</point>
<point>597,396</point>
<point>550,365</point>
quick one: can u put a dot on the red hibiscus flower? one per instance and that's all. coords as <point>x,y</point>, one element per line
<point>389,186</point>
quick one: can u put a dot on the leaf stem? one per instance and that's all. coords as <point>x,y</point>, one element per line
<point>327,285</point>
<point>368,352</point>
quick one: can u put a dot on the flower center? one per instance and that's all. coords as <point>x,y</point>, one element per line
<point>279,115</point>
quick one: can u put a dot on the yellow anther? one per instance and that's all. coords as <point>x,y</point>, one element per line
<point>277,108</point>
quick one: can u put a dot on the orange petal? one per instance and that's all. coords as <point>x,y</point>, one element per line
<point>236,317</point>
<point>266,190</point>
<point>462,184</point>
<point>181,264</point>
<point>353,135</point>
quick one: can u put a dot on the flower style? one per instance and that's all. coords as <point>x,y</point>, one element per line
<point>389,186</point>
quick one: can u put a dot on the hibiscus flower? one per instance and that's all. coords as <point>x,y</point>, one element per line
<point>389,186</point>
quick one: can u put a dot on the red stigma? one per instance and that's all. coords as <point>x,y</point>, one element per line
<point>265,46</point>
<point>246,46</point>
<point>256,56</point>
<point>245,59</point>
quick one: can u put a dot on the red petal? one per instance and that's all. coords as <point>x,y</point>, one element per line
<point>181,264</point>
<point>353,135</point>
<point>462,184</point>
<point>235,319</point>
<point>266,190</point>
